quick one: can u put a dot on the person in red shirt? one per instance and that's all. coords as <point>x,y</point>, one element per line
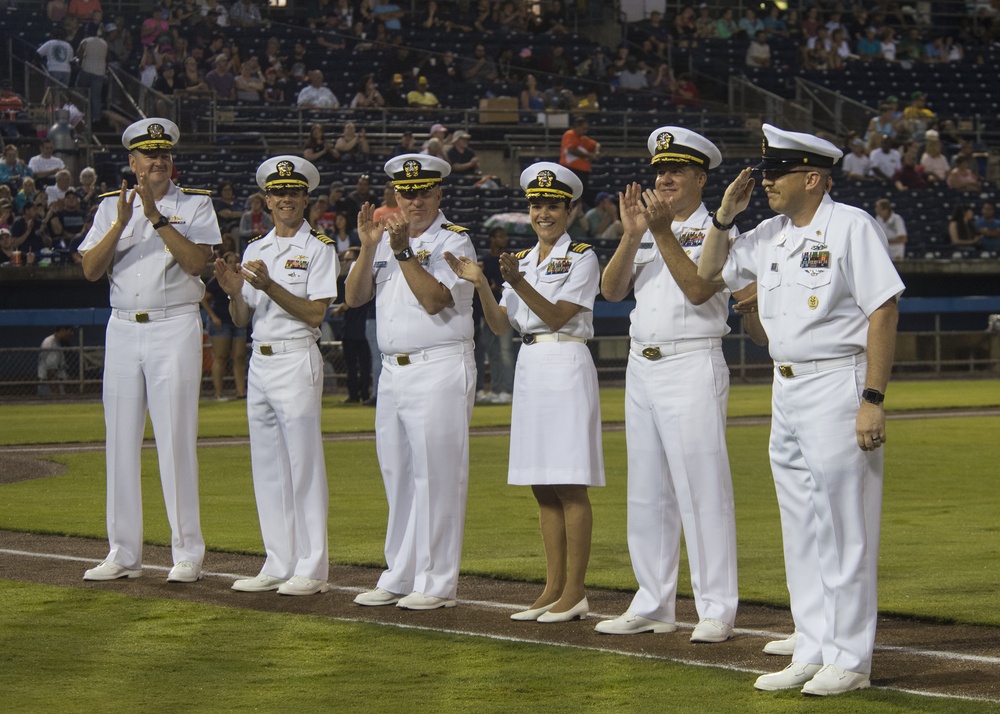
<point>85,9</point>
<point>577,152</point>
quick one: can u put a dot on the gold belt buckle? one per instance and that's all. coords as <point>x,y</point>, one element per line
<point>142,317</point>
<point>402,360</point>
<point>266,350</point>
<point>785,370</point>
<point>652,353</point>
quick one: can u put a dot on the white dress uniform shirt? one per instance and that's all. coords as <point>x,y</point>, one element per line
<point>303,265</point>
<point>143,275</point>
<point>566,275</point>
<point>662,312</point>
<point>816,285</point>
<point>404,326</point>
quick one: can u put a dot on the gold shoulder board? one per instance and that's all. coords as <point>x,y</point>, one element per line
<point>255,238</point>
<point>522,253</point>
<point>197,191</point>
<point>322,237</point>
<point>453,227</point>
<point>580,247</point>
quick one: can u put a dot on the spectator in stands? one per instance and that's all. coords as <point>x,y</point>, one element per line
<point>888,41</point>
<point>963,177</point>
<point>7,247</point>
<point>67,220</point>
<point>774,24</point>
<point>841,52</point>
<point>987,227</point>
<point>274,86</point>
<point>367,95</point>
<point>52,361</point>
<point>911,174</point>
<point>220,80</point>
<point>817,50</point>
<point>58,54</point>
<point>961,227</point>
<point>245,14</point>
<point>578,151</point>
<point>856,165</point>
<point>93,56</point>
<point>704,24</point>
<point>917,117</point>
<point>250,82</point>
<point>633,78</point>
<point>662,81</point>
<point>352,145</point>
<point>389,14</point>
<point>934,162</point>
<point>463,159</point>
<point>603,221</point>
<point>45,164</point>
<point>318,148</point>
<point>422,96</point>
<point>552,20</point>
<point>750,24</point>
<point>880,126</point>
<point>936,51</point>
<point>389,205</point>
<point>886,160</point>
<point>64,180</point>
<point>532,100</point>
<point>558,98</point>
<point>167,82</point>
<point>153,26</point>
<point>88,189</point>
<point>216,8</point>
<point>257,220</point>
<point>479,68</point>
<point>869,46</point>
<point>912,47</point>
<point>405,145</point>
<point>191,80</point>
<point>227,339</point>
<point>437,131</point>
<point>56,10</point>
<point>395,93</point>
<point>25,195</point>
<point>28,231</point>
<point>10,104</point>
<point>317,95</point>
<point>227,210</point>
<point>686,93</point>
<point>759,51</point>
<point>353,201</point>
<point>725,26</point>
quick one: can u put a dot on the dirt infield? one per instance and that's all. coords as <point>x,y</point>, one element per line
<point>915,656</point>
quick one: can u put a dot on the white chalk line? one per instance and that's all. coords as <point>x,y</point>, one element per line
<point>953,656</point>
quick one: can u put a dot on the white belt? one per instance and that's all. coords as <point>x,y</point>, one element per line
<point>550,337</point>
<point>273,348</point>
<point>657,350</point>
<point>799,369</point>
<point>151,315</point>
<point>403,359</point>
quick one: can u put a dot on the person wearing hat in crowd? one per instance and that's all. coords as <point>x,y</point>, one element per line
<point>463,160</point>
<point>422,96</point>
<point>602,221</point>
<point>152,242</point>
<point>676,394</point>
<point>827,294</point>
<point>548,296</point>
<point>395,93</point>
<point>426,388</point>
<point>286,282</point>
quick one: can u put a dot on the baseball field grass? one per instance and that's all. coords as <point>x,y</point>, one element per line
<point>74,650</point>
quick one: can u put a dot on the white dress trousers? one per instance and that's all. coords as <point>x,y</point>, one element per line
<point>422,422</point>
<point>678,476</point>
<point>154,365</point>
<point>284,395</point>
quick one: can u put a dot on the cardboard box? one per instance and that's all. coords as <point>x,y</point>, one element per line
<point>498,110</point>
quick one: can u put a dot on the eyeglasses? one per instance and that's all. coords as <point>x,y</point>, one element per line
<point>283,192</point>
<point>775,174</point>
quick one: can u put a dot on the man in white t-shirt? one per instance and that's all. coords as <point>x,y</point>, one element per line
<point>886,160</point>
<point>856,165</point>
<point>57,53</point>
<point>44,165</point>
<point>894,227</point>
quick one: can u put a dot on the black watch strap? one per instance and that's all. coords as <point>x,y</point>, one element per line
<point>404,255</point>
<point>873,396</point>
<point>723,226</point>
<point>164,221</point>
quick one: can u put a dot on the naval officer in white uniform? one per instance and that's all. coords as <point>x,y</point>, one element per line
<point>555,433</point>
<point>153,258</point>
<point>827,293</point>
<point>676,394</point>
<point>427,386</point>
<point>286,282</point>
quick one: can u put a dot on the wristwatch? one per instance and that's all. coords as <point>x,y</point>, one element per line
<point>873,396</point>
<point>164,221</point>
<point>723,226</point>
<point>404,255</point>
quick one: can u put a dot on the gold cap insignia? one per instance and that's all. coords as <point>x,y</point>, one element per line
<point>663,141</point>
<point>155,131</point>
<point>285,168</point>
<point>545,178</point>
<point>411,168</point>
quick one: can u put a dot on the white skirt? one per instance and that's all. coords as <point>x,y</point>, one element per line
<point>555,430</point>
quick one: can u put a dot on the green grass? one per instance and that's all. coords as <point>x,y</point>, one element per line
<point>82,422</point>
<point>939,534</point>
<point>65,649</point>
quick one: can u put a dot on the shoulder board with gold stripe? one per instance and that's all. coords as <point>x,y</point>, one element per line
<point>110,193</point>
<point>321,237</point>
<point>522,253</point>
<point>255,238</point>
<point>580,247</point>
<point>197,191</point>
<point>453,227</point>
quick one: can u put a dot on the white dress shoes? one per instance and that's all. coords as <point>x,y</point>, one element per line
<point>185,572</point>
<point>419,601</point>
<point>299,585</point>
<point>835,680</point>
<point>577,612</point>
<point>784,647</point>
<point>711,630</point>
<point>632,624</point>
<point>532,614</point>
<point>376,597</point>
<point>261,584</point>
<point>110,571</point>
<point>791,677</point>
